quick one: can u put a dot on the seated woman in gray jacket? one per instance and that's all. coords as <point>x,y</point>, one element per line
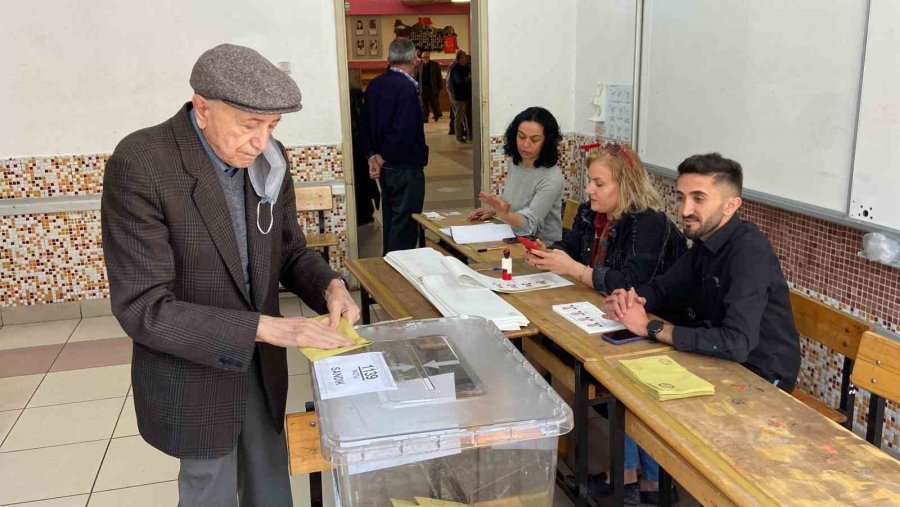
<point>531,201</point>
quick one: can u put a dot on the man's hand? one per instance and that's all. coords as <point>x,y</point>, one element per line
<point>299,332</point>
<point>375,165</point>
<point>620,301</point>
<point>628,308</point>
<point>340,304</point>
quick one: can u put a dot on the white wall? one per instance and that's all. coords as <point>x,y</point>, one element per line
<point>531,48</point>
<point>79,76</point>
<point>604,52</point>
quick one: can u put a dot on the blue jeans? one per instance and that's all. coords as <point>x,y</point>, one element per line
<point>649,466</point>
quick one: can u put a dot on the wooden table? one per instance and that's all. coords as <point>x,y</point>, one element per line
<point>751,443</point>
<point>585,348</point>
<point>468,251</point>
<point>381,283</point>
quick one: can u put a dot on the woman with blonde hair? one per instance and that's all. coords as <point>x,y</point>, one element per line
<point>621,238</point>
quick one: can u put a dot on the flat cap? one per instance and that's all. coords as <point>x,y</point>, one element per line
<point>243,78</point>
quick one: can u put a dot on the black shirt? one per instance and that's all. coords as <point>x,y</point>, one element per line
<point>735,302</point>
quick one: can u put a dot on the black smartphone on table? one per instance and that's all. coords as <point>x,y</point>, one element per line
<point>622,336</point>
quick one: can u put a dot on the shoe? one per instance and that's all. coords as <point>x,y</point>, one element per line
<point>597,486</point>
<point>461,139</point>
<point>451,133</point>
<point>652,497</point>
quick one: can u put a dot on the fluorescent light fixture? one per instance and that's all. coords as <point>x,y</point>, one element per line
<point>460,1</point>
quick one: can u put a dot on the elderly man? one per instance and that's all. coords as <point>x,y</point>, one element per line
<point>199,227</point>
<point>394,139</point>
<point>428,75</point>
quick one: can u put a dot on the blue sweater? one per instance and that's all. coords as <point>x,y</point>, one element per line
<point>392,121</point>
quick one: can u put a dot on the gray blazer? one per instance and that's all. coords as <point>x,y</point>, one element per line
<point>177,288</point>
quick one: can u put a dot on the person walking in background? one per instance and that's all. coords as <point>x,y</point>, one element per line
<point>452,130</point>
<point>461,78</point>
<point>430,85</point>
<point>394,141</point>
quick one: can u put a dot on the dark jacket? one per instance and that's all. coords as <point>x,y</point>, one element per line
<point>392,121</point>
<point>642,246</point>
<point>461,78</point>
<point>429,77</point>
<point>177,288</point>
<point>735,302</point>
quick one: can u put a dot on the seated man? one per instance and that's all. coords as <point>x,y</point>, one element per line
<point>728,288</point>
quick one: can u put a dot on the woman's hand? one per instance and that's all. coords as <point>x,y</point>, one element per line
<point>480,214</point>
<point>498,204</point>
<point>556,261</point>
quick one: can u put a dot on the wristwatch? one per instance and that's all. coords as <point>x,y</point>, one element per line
<point>654,327</point>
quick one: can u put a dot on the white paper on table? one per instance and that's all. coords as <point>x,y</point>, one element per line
<point>433,215</point>
<point>524,283</point>
<point>340,376</point>
<point>587,317</point>
<point>447,231</point>
<point>480,233</point>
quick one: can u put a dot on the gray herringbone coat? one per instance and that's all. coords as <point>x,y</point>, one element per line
<point>177,288</point>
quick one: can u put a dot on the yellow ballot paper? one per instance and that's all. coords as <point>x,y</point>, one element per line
<point>402,503</point>
<point>346,329</point>
<point>665,379</point>
<point>431,502</point>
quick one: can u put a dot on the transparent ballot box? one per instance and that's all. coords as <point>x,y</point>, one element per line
<point>468,421</point>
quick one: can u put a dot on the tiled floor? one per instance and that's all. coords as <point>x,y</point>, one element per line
<point>68,432</point>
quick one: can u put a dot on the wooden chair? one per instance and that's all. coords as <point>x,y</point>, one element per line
<point>304,450</point>
<point>840,333</point>
<point>877,370</point>
<point>570,210</point>
<point>319,199</point>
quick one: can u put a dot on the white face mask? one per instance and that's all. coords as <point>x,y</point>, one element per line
<point>266,175</point>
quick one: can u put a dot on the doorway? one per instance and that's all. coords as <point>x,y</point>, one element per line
<point>364,32</point>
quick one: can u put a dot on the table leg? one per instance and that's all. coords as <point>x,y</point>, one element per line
<point>581,435</point>
<point>366,303</point>
<point>617,451</point>
<point>665,488</point>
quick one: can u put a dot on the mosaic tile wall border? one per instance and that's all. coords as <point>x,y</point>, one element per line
<point>83,174</point>
<point>58,257</point>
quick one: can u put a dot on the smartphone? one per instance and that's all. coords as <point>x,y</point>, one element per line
<point>510,241</point>
<point>529,244</point>
<point>623,336</point>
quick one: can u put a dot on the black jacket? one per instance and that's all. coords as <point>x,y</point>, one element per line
<point>642,246</point>
<point>392,121</point>
<point>461,78</point>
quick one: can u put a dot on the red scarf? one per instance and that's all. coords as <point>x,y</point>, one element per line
<point>602,226</point>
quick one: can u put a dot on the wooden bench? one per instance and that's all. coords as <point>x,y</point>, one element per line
<point>570,211</point>
<point>877,370</point>
<point>304,450</point>
<point>317,198</point>
<point>839,332</point>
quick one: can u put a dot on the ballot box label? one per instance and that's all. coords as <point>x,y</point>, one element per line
<point>347,375</point>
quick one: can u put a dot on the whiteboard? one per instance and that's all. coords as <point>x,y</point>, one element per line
<point>773,84</point>
<point>875,195</point>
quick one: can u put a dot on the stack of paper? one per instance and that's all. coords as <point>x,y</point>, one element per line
<point>665,379</point>
<point>454,288</point>
<point>480,233</point>
<point>588,317</point>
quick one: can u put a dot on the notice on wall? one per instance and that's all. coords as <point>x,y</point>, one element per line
<point>618,112</point>
<point>340,376</point>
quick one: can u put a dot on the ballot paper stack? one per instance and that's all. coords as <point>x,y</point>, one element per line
<point>665,379</point>
<point>452,294</point>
